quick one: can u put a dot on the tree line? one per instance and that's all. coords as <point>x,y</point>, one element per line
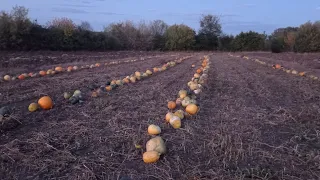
<point>19,32</point>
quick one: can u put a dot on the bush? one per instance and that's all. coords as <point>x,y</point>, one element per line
<point>277,46</point>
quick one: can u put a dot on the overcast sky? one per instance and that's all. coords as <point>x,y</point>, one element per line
<point>236,16</point>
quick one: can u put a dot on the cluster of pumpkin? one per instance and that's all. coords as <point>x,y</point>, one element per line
<point>137,76</point>
<point>155,147</point>
<point>278,66</point>
<point>60,69</point>
<point>77,96</point>
<point>44,102</point>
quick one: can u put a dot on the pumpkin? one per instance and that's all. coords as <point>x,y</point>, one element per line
<point>69,69</point>
<point>137,74</point>
<point>150,157</point>
<point>49,72</point>
<point>154,129</point>
<point>75,67</point>
<point>94,94</point>
<point>302,74</point>
<point>193,65</point>
<point>156,144</point>
<point>58,69</point>
<point>119,83</point>
<point>193,86</point>
<point>149,72</point>
<point>179,113</point>
<point>138,77</point>
<point>30,74</point>
<point>178,101</point>
<point>125,80</point>
<point>53,72</point>
<point>182,94</point>
<point>294,72</point>
<point>25,75</point>
<point>133,79</point>
<point>197,91</point>
<point>278,66</point>
<point>185,103</point>
<point>171,105</point>
<point>91,66</point>
<point>288,71</point>
<point>199,71</point>
<point>169,115</point>
<point>42,73</point>
<point>196,75</point>
<point>192,109</point>
<point>108,88</point>
<point>7,78</point>
<point>13,78</point>
<point>155,70</point>
<point>97,64</point>
<point>175,122</point>
<point>45,102</point>
<point>66,95</point>
<point>33,107</point>
<point>21,77</point>
<point>77,93</point>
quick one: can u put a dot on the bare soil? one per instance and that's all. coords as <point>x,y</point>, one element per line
<point>254,123</point>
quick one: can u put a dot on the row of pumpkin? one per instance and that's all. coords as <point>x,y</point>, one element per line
<point>46,102</point>
<point>60,69</point>
<point>187,107</point>
<point>280,67</point>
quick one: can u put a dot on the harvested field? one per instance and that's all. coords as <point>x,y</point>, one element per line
<point>254,122</point>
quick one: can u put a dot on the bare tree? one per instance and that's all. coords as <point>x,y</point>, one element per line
<point>85,25</point>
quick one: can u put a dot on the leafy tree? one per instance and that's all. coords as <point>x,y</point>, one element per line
<point>210,30</point>
<point>249,41</point>
<point>308,38</point>
<point>179,37</point>
<point>225,42</point>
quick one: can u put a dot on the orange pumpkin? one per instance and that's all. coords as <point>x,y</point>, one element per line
<point>171,105</point>
<point>30,74</point>
<point>126,80</point>
<point>58,69</point>
<point>69,69</point>
<point>302,73</point>
<point>199,71</point>
<point>45,102</point>
<point>42,73</point>
<point>21,77</point>
<point>108,88</point>
<point>278,66</point>
<point>97,64</point>
<point>155,70</point>
<point>192,109</point>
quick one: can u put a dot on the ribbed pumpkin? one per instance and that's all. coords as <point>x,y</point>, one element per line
<point>133,79</point>
<point>155,70</point>
<point>175,122</point>
<point>45,102</point>
<point>199,71</point>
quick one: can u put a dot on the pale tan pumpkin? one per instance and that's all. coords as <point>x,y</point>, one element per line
<point>156,144</point>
